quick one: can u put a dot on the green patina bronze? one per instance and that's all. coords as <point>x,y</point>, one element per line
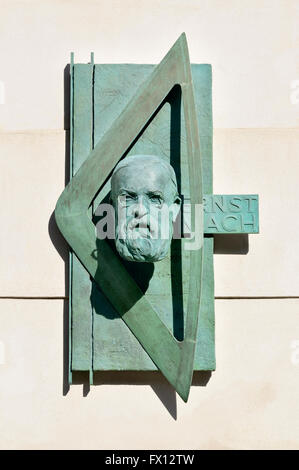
<point>231,214</point>
<point>174,358</point>
<point>144,194</point>
<point>135,315</point>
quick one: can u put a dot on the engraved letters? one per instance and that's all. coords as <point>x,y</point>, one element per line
<point>231,214</point>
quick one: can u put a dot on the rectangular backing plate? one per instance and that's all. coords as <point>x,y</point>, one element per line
<point>100,340</point>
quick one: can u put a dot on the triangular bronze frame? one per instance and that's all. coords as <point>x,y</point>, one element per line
<point>173,358</point>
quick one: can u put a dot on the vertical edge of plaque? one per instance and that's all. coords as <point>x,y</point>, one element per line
<point>71,78</point>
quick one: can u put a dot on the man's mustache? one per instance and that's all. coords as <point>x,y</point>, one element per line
<point>145,222</point>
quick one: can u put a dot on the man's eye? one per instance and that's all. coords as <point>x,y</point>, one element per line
<point>126,199</point>
<point>156,199</point>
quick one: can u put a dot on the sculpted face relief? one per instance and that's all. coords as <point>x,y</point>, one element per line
<point>146,202</point>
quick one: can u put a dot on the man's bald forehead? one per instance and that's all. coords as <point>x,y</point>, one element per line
<point>134,161</point>
<point>137,166</point>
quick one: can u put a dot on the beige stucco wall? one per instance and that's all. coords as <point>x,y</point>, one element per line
<point>251,399</point>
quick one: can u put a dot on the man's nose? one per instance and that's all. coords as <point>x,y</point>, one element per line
<point>140,208</point>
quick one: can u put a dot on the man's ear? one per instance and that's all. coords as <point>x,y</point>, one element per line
<point>175,207</point>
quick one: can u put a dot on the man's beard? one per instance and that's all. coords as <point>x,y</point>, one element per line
<point>138,240</point>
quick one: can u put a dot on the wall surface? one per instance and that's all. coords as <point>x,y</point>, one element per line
<point>250,401</point>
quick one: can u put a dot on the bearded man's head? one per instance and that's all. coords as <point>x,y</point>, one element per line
<point>145,198</point>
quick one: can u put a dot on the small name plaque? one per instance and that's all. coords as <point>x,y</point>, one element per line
<point>231,213</point>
